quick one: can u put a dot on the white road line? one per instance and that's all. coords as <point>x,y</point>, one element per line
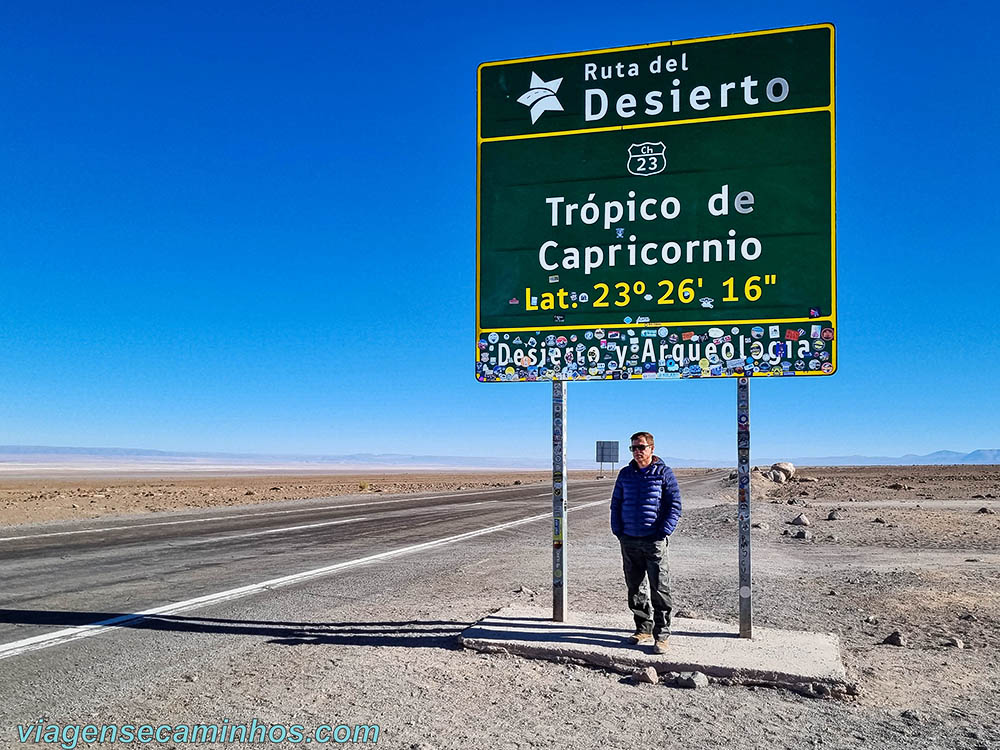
<point>237,515</point>
<point>66,635</point>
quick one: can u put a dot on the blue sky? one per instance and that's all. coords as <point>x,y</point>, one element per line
<point>249,227</point>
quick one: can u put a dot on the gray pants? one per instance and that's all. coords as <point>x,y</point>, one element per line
<point>641,560</point>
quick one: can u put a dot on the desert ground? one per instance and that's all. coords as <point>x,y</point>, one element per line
<point>900,562</point>
<point>35,500</point>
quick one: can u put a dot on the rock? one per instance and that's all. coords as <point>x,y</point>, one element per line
<point>275,489</point>
<point>968,616</point>
<point>689,614</point>
<point>834,515</point>
<point>190,678</point>
<point>803,534</point>
<point>800,520</point>
<point>733,475</point>
<point>249,492</point>
<point>878,519</point>
<point>761,526</point>
<point>785,468</point>
<point>786,532</point>
<point>899,486</point>
<point>895,638</point>
<point>77,506</point>
<point>808,479</point>
<point>524,590</point>
<point>987,511</point>
<point>955,643</point>
<point>647,676</point>
<point>912,715</point>
<point>871,620</point>
<point>692,680</point>
<point>777,476</point>
<point>517,481</point>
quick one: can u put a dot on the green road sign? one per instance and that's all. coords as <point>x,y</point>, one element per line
<point>660,211</point>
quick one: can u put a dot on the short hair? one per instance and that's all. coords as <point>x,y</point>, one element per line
<point>644,435</point>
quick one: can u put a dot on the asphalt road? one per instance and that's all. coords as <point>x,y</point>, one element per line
<point>59,576</point>
<point>70,574</point>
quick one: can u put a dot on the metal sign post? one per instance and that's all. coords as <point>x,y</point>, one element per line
<point>743,512</point>
<point>559,480</point>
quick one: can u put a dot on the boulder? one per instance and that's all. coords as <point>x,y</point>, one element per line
<point>785,468</point>
<point>647,675</point>
<point>895,638</point>
<point>692,680</point>
<point>777,476</point>
<point>800,520</point>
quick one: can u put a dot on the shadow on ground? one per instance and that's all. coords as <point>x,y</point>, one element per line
<point>405,633</point>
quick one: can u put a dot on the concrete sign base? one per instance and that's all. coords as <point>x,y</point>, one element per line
<point>806,662</point>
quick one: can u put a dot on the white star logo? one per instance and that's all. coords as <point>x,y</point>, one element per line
<point>541,96</point>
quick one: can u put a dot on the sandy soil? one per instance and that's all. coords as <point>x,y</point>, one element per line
<point>39,500</point>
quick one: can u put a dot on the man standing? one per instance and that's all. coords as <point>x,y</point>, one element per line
<point>645,507</point>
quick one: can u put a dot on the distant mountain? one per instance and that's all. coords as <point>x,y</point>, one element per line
<point>937,458</point>
<point>139,458</point>
<point>983,457</point>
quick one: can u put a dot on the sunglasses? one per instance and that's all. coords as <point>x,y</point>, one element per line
<point>634,448</point>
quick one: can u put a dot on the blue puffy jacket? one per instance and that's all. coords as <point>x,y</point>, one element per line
<point>646,503</point>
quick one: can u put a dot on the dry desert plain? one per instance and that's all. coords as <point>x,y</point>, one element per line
<point>907,550</point>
